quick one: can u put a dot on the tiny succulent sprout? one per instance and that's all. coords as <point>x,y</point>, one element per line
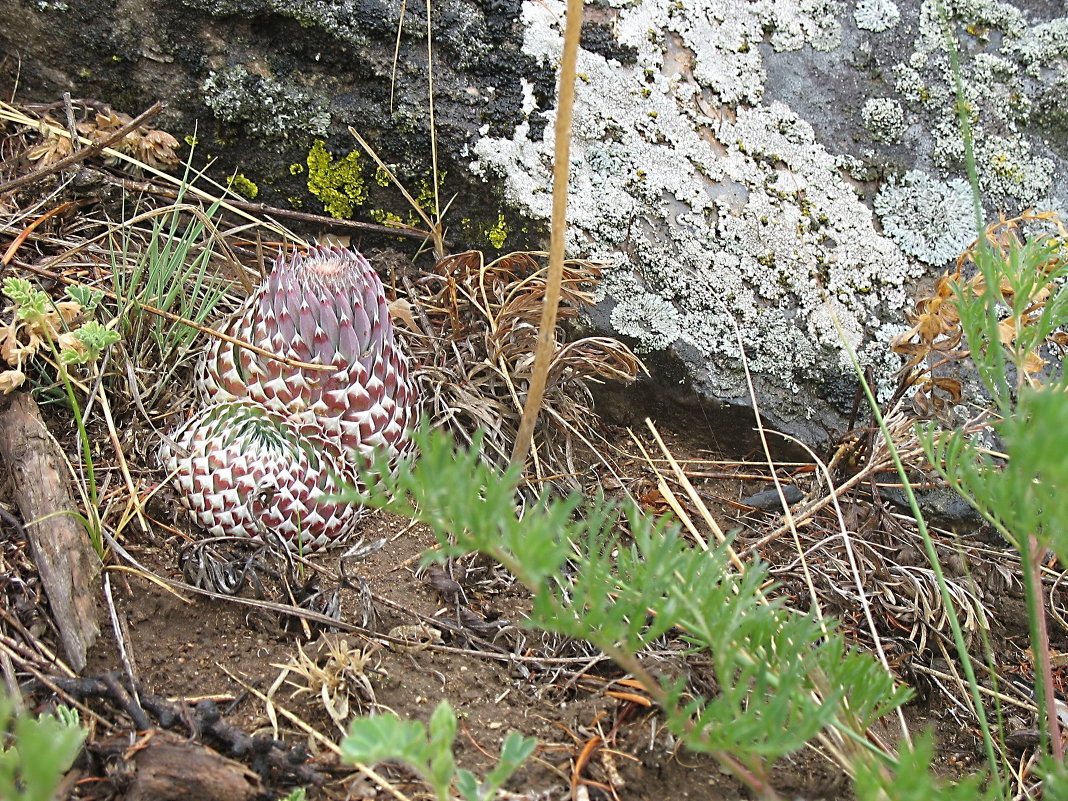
<point>273,438</point>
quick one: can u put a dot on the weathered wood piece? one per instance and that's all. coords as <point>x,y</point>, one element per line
<point>69,567</point>
<point>169,768</point>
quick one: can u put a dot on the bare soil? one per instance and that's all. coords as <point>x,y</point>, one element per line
<point>597,738</point>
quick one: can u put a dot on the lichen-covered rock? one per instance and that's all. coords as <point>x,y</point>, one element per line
<point>728,154</point>
<point>268,88</point>
<point>884,119</point>
<point>931,220</point>
<point>728,172</point>
<point>876,15</point>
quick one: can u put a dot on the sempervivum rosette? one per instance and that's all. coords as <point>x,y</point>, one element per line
<point>327,308</point>
<point>244,471</point>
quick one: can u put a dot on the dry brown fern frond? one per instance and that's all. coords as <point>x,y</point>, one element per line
<point>152,146</point>
<point>935,339</point>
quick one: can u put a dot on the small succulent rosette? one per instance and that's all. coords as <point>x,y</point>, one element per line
<point>272,438</point>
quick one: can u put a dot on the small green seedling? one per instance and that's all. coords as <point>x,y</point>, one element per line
<point>35,752</point>
<point>429,752</point>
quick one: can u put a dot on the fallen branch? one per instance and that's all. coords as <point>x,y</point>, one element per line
<point>269,758</point>
<point>59,545</point>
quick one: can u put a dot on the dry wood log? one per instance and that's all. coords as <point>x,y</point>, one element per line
<point>169,768</point>
<point>60,548</point>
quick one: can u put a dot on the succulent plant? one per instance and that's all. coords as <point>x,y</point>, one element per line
<point>246,471</point>
<point>270,438</point>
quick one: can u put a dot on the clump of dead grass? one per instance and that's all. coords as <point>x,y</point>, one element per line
<point>477,326</point>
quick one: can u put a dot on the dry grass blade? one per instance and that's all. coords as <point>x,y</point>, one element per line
<point>433,224</point>
<point>842,550</point>
<point>862,593</point>
<point>565,103</point>
<point>320,738</point>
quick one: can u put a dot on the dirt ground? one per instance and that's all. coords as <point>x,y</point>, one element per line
<point>430,634</point>
<point>222,694</point>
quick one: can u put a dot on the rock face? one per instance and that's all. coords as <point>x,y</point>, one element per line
<point>792,166</point>
<point>269,87</point>
<point>728,156</point>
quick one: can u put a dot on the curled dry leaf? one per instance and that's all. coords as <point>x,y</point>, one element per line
<point>11,380</point>
<point>157,149</point>
<point>935,337</point>
<point>21,339</point>
<point>53,146</point>
<point>416,637</point>
<point>68,341</point>
<point>11,350</point>
<point>107,118</point>
<point>65,310</point>
<point>935,324</point>
<point>400,310</point>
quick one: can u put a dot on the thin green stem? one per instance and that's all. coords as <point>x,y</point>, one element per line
<point>996,382</point>
<point>936,565</point>
<point>93,501</point>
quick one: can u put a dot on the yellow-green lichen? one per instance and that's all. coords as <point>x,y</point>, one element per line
<point>498,234</point>
<point>191,140</point>
<point>384,217</point>
<point>1005,167</point>
<point>339,185</point>
<point>296,168</point>
<point>476,233</point>
<point>426,199</point>
<point>243,186</point>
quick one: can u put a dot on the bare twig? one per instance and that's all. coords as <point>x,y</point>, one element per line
<point>561,168</point>
<point>85,153</point>
<point>399,229</point>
